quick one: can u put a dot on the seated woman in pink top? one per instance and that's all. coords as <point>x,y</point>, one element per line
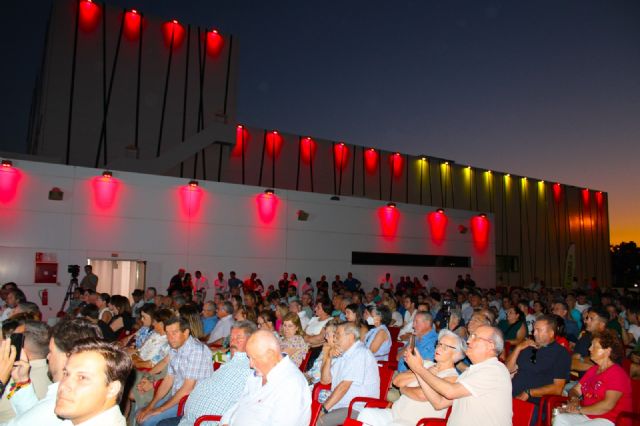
<point>605,389</point>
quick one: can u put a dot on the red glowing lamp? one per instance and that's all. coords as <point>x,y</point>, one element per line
<point>307,149</point>
<point>480,226</point>
<point>440,211</point>
<point>391,205</point>
<point>389,218</point>
<point>107,174</point>
<point>438,226</point>
<point>7,164</point>
<point>132,24</point>
<point>173,33</point>
<point>89,15</point>
<point>371,161</point>
<point>193,183</point>
<point>215,42</point>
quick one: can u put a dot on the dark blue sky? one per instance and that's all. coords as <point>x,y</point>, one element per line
<point>548,89</point>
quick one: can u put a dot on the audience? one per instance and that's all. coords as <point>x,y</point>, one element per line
<point>426,378</point>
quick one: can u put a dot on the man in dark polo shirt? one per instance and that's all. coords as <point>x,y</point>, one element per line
<point>541,366</point>
<point>595,323</point>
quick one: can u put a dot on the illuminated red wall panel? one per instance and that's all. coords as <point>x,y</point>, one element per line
<point>172,30</point>
<point>341,152</point>
<point>89,15</point>
<point>267,205</point>
<point>9,178</point>
<point>307,150</point>
<point>105,190</point>
<point>389,218</point>
<point>371,161</point>
<point>132,25</point>
<point>396,161</point>
<point>480,227</point>
<point>438,226</point>
<point>215,43</point>
<point>190,200</point>
<point>557,192</point>
<point>273,144</point>
<point>242,138</point>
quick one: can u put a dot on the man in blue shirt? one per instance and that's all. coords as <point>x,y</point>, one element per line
<point>209,318</point>
<point>426,338</point>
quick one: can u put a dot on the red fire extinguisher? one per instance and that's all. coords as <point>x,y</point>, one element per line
<point>44,297</point>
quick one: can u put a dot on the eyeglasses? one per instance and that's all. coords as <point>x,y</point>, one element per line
<point>474,336</point>
<point>444,346</point>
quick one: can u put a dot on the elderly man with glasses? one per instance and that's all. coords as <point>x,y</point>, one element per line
<point>482,392</point>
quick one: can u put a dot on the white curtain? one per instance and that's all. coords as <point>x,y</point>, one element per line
<point>119,276</point>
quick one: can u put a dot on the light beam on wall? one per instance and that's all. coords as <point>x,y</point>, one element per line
<point>389,218</point>
<point>89,15</point>
<point>341,152</point>
<point>438,226</point>
<point>215,43</point>
<point>191,199</point>
<point>274,143</point>
<point>396,162</point>
<point>267,205</point>
<point>132,24</point>
<point>480,227</point>
<point>370,161</point>
<point>9,178</point>
<point>105,190</point>
<point>307,149</point>
<point>172,30</point>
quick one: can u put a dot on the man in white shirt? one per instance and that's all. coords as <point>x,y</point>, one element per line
<point>482,392</point>
<point>220,284</point>
<point>223,326</point>
<point>277,394</point>
<point>30,411</point>
<point>410,304</point>
<point>92,384</point>
<point>353,373</point>
<point>201,284</point>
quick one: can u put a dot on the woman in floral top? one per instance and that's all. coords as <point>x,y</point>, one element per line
<point>293,343</point>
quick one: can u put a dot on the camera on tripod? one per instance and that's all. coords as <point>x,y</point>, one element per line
<point>74,270</point>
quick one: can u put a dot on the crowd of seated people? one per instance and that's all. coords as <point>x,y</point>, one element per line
<point>468,349</point>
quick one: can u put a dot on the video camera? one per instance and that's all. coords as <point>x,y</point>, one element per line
<point>74,270</point>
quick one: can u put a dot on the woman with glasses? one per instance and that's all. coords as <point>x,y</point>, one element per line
<point>413,403</point>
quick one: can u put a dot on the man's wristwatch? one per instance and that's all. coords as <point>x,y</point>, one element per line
<point>324,409</point>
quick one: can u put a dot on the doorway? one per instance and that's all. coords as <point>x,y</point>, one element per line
<point>119,276</point>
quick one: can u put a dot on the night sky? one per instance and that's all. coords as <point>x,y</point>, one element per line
<point>546,89</point>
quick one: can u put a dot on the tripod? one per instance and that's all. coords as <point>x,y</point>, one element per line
<point>73,284</point>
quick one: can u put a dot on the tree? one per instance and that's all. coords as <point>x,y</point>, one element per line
<point>625,264</point>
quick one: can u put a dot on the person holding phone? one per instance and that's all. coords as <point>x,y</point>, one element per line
<point>425,338</point>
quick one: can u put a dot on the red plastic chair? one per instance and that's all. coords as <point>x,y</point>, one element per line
<point>207,418</point>
<point>432,421</point>
<point>315,405</point>
<point>385,375</point>
<point>305,361</point>
<point>394,332</point>
<point>547,404</point>
<point>522,412</point>
<point>181,404</point>
<point>627,418</point>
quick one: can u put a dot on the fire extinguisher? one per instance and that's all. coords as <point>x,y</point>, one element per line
<point>44,297</point>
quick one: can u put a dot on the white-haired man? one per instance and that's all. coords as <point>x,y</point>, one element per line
<point>483,391</point>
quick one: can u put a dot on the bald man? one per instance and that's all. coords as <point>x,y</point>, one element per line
<point>277,394</point>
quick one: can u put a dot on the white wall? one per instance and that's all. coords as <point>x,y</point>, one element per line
<point>147,221</point>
